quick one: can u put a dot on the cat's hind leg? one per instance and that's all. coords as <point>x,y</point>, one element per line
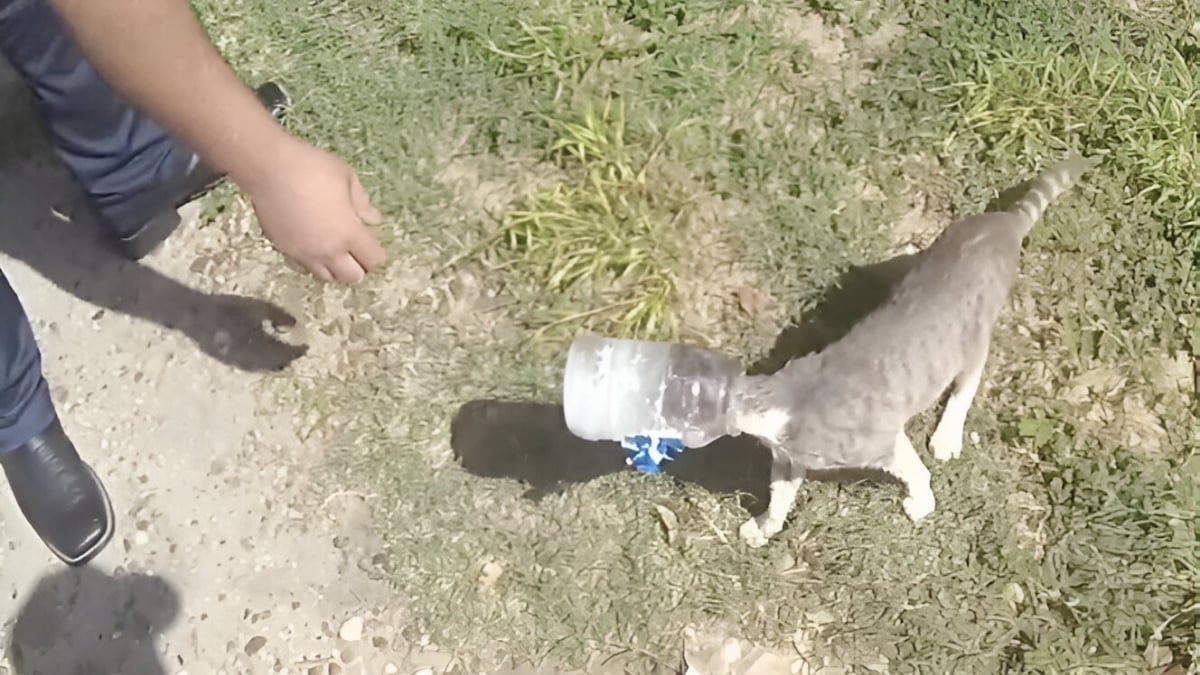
<point>785,483</point>
<point>907,466</point>
<point>947,439</point>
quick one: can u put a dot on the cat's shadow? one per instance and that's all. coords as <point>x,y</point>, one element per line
<point>529,441</point>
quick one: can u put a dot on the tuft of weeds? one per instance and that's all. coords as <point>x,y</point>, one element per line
<point>563,51</point>
<point>611,232</point>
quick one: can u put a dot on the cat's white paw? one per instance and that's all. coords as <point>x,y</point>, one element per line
<point>919,505</point>
<point>752,534</point>
<point>946,443</point>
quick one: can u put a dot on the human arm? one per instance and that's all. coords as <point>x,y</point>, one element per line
<point>155,54</point>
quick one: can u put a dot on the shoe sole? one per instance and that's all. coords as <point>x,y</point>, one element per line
<point>105,537</point>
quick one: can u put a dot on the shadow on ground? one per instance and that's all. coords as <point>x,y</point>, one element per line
<point>81,620</point>
<point>529,442</point>
<point>45,225</point>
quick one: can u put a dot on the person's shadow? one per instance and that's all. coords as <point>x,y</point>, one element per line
<point>81,621</point>
<point>72,252</point>
<point>529,441</point>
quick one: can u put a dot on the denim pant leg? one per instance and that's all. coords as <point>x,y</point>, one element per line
<point>25,405</point>
<point>115,152</point>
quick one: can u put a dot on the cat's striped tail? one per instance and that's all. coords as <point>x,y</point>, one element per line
<point>1048,186</point>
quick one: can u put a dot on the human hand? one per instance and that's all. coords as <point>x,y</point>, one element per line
<point>314,210</point>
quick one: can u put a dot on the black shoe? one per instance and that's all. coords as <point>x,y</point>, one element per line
<point>60,495</point>
<point>197,182</point>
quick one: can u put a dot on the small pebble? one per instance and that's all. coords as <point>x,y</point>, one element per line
<point>352,630</point>
<point>256,643</point>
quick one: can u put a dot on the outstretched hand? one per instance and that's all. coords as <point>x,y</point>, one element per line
<point>309,203</point>
<point>315,211</point>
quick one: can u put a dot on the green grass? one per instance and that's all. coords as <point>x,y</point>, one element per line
<point>607,230</point>
<point>1065,539</point>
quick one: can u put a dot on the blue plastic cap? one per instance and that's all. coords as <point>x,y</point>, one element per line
<point>647,453</point>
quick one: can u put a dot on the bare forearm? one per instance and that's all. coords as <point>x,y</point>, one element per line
<point>156,55</point>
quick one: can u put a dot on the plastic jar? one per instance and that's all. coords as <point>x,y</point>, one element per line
<point>614,389</point>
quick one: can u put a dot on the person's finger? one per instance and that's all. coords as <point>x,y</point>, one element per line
<point>362,203</point>
<point>313,267</point>
<point>321,272</point>
<point>345,269</point>
<point>367,251</point>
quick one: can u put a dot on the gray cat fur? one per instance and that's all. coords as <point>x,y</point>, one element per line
<point>846,406</point>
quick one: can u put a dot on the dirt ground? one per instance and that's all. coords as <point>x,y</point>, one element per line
<point>230,555</point>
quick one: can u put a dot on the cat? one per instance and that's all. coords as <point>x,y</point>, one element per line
<point>846,406</point>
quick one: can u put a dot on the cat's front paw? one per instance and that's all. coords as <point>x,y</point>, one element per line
<point>946,443</point>
<point>919,505</point>
<point>752,534</point>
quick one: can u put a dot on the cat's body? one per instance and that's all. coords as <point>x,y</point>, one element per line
<point>847,401</point>
<point>846,406</point>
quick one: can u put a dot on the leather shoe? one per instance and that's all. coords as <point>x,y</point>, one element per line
<point>60,495</point>
<point>199,179</point>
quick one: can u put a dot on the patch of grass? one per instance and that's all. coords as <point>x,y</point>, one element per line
<point>1141,113</point>
<point>1115,289</point>
<point>1124,551</point>
<point>613,230</point>
<point>566,44</point>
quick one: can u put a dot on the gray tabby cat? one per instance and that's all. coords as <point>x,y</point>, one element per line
<point>846,406</point>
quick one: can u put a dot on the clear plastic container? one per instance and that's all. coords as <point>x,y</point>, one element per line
<point>614,389</point>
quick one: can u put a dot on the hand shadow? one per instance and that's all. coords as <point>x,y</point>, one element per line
<point>80,259</point>
<point>83,621</point>
<point>529,442</point>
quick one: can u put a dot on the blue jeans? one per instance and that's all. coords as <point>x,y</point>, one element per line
<point>25,406</point>
<point>115,153</point>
